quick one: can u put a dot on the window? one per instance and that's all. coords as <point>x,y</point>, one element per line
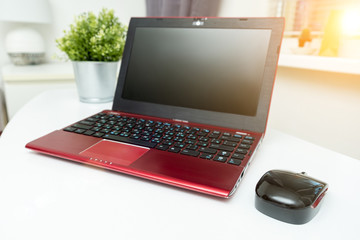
<point>328,28</point>
<point>314,14</point>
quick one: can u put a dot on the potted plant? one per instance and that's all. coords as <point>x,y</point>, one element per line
<point>95,45</point>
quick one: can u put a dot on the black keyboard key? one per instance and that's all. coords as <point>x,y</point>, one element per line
<point>203,132</point>
<point>191,137</point>
<point>82,126</point>
<point>180,135</point>
<point>214,134</point>
<point>146,133</point>
<point>194,129</point>
<point>89,133</point>
<point>114,132</point>
<point>224,153</point>
<point>220,159</point>
<point>233,139</point>
<point>179,145</point>
<point>150,123</point>
<point>105,130</point>
<point>91,119</point>
<point>157,136</point>
<point>242,151</point>
<point>249,138</point>
<point>79,130</point>
<point>216,141</point>
<point>192,142</point>
<point>107,126</point>
<point>178,139</point>
<point>222,147</point>
<point>117,128</point>
<point>174,149</point>
<point>136,130</point>
<point>167,137</point>
<point>238,156</point>
<point>159,131</point>
<point>203,139</point>
<point>162,147</point>
<point>192,147</point>
<point>234,161</point>
<point>70,129</point>
<point>96,129</point>
<point>207,150</point>
<point>156,140</point>
<point>125,134</point>
<point>99,125</point>
<point>98,134</point>
<point>244,146</point>
<point>190,152</point>
<point>238,136</point>
<point>229,143</point>
<point>130,140</point>
<point>86,122</point>
<point>249,142</point>
<point>206,156</point>
<point>145,138</point>
<point>202,144</point>
<point>167,142</point>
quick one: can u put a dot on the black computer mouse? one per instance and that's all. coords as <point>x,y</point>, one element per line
<point>289,197</point>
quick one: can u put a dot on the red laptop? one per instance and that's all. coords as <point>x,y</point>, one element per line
<point>190,107</point>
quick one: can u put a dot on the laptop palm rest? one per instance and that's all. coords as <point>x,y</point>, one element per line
<point>114,152</point>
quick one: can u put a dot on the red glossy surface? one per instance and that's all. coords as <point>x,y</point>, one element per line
<point>206,176</point>
<point>114,152</point>
<point>318,200</point>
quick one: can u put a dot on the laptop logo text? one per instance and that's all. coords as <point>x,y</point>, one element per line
<point>199,21</point>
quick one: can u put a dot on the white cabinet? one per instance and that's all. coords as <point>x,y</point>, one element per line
<point>22,83</point>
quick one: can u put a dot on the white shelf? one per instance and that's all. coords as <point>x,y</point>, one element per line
<point>328,64</point>
<point>22,83</point>
<point>44,72</point>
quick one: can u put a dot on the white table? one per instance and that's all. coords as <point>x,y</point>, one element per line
<point>45,198</point>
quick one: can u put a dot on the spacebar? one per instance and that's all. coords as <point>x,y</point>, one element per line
<point>130,140</point>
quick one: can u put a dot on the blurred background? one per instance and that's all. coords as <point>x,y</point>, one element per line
<point>317,89</point>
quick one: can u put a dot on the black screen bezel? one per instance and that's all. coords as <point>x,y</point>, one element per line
<point>255,123</point>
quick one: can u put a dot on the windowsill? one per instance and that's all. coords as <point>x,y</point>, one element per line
<point>317,63</point>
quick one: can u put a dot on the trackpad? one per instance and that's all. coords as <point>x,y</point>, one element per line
<point>116,152</point>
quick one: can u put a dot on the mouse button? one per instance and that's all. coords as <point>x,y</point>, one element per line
<point>279,195</point>
<point>267,180</point>
<point>308,189</point>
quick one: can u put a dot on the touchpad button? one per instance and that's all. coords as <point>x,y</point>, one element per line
<point>116,152</point>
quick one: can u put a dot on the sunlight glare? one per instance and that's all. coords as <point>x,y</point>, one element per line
<point>351,22</point>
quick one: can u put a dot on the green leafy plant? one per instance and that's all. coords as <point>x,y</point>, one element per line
<point>94,38</point>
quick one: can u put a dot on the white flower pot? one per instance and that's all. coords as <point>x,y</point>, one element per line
<point>95,81</point>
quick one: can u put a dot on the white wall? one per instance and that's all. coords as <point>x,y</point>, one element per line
<point>64,11</point>
<point>244,8</point>
<point>63,15</point>
<point>320,107</point>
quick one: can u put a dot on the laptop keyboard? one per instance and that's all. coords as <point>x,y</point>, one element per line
<point>208,144</point>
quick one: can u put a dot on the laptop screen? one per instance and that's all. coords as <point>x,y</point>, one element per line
<point>215,69</point>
